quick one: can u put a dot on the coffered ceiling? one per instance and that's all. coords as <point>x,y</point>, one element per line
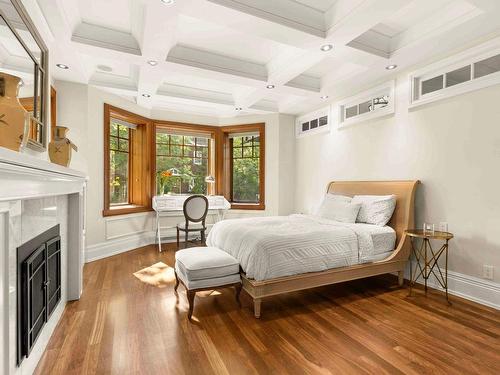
<point>217,56</point>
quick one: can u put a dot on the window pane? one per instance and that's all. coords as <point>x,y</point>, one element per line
<point>114,128</point>
<point>162,149</point>
<point>365,107</point>
<point>179,173</point>
<point>351,111</point>
<point>123,131</point>
<point>380,102</point>
<point>305,126</point>
<point>118,176</point>
<point>432,84</point>
<point>237,152</point>
<point>113,143</point>
<point>487,66</point>
<point>458,76</point>
<point>246,180</point>
<point>161,137</point>
<point>323,121</point>
<point>314,124</point>
<point>245,173</point>
<point>123,145</point>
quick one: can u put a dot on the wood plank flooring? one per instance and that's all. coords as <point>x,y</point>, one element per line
<point>124,326</point>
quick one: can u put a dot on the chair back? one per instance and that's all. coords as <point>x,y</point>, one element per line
<point>195,208</point>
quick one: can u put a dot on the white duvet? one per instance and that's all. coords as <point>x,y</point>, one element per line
<point>277,246</point>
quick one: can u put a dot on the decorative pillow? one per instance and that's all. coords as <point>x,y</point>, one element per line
<point>339,208</point>
<point>375,209</point>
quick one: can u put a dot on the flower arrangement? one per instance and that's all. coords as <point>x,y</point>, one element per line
<point>163,177</point>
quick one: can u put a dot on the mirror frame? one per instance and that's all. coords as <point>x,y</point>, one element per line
<point>42,66</point>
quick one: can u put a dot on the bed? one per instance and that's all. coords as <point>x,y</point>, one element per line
<point>288,253</point>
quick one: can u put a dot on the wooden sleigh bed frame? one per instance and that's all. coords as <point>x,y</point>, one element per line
<point>402,219</point>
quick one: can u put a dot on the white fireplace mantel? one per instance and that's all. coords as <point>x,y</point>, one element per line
<point>22,178</point>
<point>25,177</point>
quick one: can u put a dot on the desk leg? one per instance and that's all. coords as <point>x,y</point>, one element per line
<point>426,275</point>
<point>158,234</point>
<point>446,273</point>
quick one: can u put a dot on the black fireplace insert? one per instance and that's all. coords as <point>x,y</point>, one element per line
<point>38,287</point>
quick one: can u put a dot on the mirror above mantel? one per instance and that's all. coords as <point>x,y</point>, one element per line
<point>24,55</point>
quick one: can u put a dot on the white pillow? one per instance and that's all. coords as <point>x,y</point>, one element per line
<point>375,209</point>
<point>338,208</point>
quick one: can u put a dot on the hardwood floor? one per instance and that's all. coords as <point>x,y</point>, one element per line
<point>124,326</point>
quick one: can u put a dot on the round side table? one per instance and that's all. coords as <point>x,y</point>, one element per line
<point>427,258</point>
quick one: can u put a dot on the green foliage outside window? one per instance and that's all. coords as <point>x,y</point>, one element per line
<point>119,163</point>
<point>246,155</point>
<point>186,157</point>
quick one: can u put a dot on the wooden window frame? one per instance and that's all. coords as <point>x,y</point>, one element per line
<point>225,164</point>
<point>139,184</point>
<point>142,173</point>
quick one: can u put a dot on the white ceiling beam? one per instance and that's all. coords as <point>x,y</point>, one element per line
<point>237,18</point>
<point>158,37</point>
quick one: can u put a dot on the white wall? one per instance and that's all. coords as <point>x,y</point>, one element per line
<point>452,146</point>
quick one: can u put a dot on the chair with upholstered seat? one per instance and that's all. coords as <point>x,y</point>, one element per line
<point>195,212</point>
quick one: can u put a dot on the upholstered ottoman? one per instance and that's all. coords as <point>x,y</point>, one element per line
<point>206,268</point>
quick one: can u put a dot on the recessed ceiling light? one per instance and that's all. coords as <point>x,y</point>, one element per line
<point>239,108</point>
<point>324,97</point>
<point>168,2</point>
<point>326,47</point>
<point>62,66</point>
<point>270,87</point>
<point>146,95</point>
<point>391,67</point>
<point>153,62</point>
<point>104,68</point>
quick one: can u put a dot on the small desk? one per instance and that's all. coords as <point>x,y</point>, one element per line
<point>430,261</point>
<point>172,205</point>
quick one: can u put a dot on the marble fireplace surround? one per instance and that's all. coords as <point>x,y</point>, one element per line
<point>34,196</point>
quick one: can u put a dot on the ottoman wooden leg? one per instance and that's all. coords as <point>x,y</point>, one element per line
<point>176,282</point>
<point>190,295</point>
<point>238,291</point>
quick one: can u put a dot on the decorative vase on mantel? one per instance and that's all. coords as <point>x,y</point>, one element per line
<point>61,148</point>
<point>14,119</point>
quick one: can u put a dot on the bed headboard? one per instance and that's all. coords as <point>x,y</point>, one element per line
<point>403,217</point>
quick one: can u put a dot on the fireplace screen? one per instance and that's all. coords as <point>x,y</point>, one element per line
<point>39,287</point>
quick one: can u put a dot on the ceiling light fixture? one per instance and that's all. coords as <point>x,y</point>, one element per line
<point>239,108</point>
<point>153,62</point>
<point>326,47</point>
<point>146,95</point>
<point>324,97</point>
<point>270,87</point>
<point>62,66</point>
<point>391,67</point>
<point>168,2</point>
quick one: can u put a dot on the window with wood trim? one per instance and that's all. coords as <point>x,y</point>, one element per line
<point>244,170</point>
<point>183,161</point>
<point>127,162</point>
<point>144,157</point>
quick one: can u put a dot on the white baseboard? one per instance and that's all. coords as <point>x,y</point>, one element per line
<point>482,291</point>
<point>123,244</point>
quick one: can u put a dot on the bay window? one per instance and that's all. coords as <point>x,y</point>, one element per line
<point>144,157</point>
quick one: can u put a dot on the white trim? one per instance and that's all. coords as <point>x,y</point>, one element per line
<point>469,57</point>
<point>123,244</point>
<point>386,89</point>
<point>478,290</point>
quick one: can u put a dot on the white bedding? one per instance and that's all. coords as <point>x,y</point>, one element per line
<point>271,247</point>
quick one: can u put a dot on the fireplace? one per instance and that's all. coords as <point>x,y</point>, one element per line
<point>38,286</point>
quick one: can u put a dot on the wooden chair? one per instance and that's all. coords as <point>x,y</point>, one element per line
<point>195,212</point>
